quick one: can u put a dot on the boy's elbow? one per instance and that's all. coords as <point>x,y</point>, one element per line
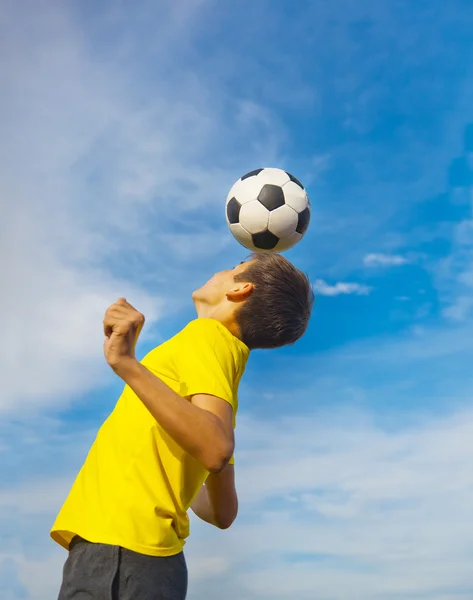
<point>225,523</point>
<point>226,518</point>
<point>217,465</point>
<point>218,460</point>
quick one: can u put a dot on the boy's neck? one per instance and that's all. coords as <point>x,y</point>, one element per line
<point>204,311</point>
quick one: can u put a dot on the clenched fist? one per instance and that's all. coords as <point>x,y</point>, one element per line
<point>122,326</point>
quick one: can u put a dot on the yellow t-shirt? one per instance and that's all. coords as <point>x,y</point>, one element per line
<point>136,485</point>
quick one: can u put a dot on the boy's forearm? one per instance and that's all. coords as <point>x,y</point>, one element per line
<point>202,508</point>
<point>217,501</point>
<point>197,431</point>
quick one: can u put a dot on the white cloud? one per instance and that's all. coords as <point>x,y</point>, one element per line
<point>55,283</point>
<point>324,289</point>
<point>384,260</point>
<point>454,274</point>
<point>370,503</point>
<point>335,501</point>
<point>460,310</point>
<point>100,168</point>
<point>329,502</point>
<point>205,567</point>
<point>42,574</point>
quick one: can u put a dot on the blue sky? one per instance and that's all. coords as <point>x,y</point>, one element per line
<point>123,130</point>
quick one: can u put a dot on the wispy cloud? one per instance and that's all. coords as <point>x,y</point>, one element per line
<point>322,495</point>
<point>384,260</point>
<point>339,506</point>
<point>454,272</point>
<point>108,192</point>
<point>121,132</point>
<point>460,310</point>
<point>323,288</point>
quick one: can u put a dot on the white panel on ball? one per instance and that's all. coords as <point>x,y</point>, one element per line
<point>254,217</point>
<point>283,221</point>
<point>273,177</point>
<point>242,236</point>
<point>246,190</point>
<point>288,242</point>
<point>295,197</point>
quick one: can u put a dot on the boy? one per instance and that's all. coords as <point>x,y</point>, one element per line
<point>168,444</point>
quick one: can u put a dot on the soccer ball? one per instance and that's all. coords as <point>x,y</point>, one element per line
<point>268,210</point>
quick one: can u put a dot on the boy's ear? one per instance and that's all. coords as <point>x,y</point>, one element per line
<point>240,291</point>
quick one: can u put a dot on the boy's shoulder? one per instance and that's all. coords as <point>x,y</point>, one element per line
<point>210,332</point>
<point>204,327</point>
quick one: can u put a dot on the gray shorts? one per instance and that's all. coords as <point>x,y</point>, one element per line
<point>104,572</point>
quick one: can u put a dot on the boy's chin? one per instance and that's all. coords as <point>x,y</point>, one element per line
<point>198,295</point>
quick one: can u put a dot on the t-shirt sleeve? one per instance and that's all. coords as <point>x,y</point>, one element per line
<point>205,364</point>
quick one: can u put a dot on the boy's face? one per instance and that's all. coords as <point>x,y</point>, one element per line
<point>218,286</point>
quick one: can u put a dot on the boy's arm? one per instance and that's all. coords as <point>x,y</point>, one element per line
<point>202,427</point>
<point>217,501</point>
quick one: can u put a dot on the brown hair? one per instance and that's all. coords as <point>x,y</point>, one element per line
<point>277,312</point>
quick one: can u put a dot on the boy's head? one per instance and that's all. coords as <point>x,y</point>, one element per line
<point>265,301</point>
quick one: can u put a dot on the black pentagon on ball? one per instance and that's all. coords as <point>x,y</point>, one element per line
<point>303,221</point>
<point>251,174</point>
<point>295,180</point>
<point>233,210</point>
<point>271,196</point>
<point>265,240</point>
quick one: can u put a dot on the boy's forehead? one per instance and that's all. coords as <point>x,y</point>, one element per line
<point>243,265</point>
